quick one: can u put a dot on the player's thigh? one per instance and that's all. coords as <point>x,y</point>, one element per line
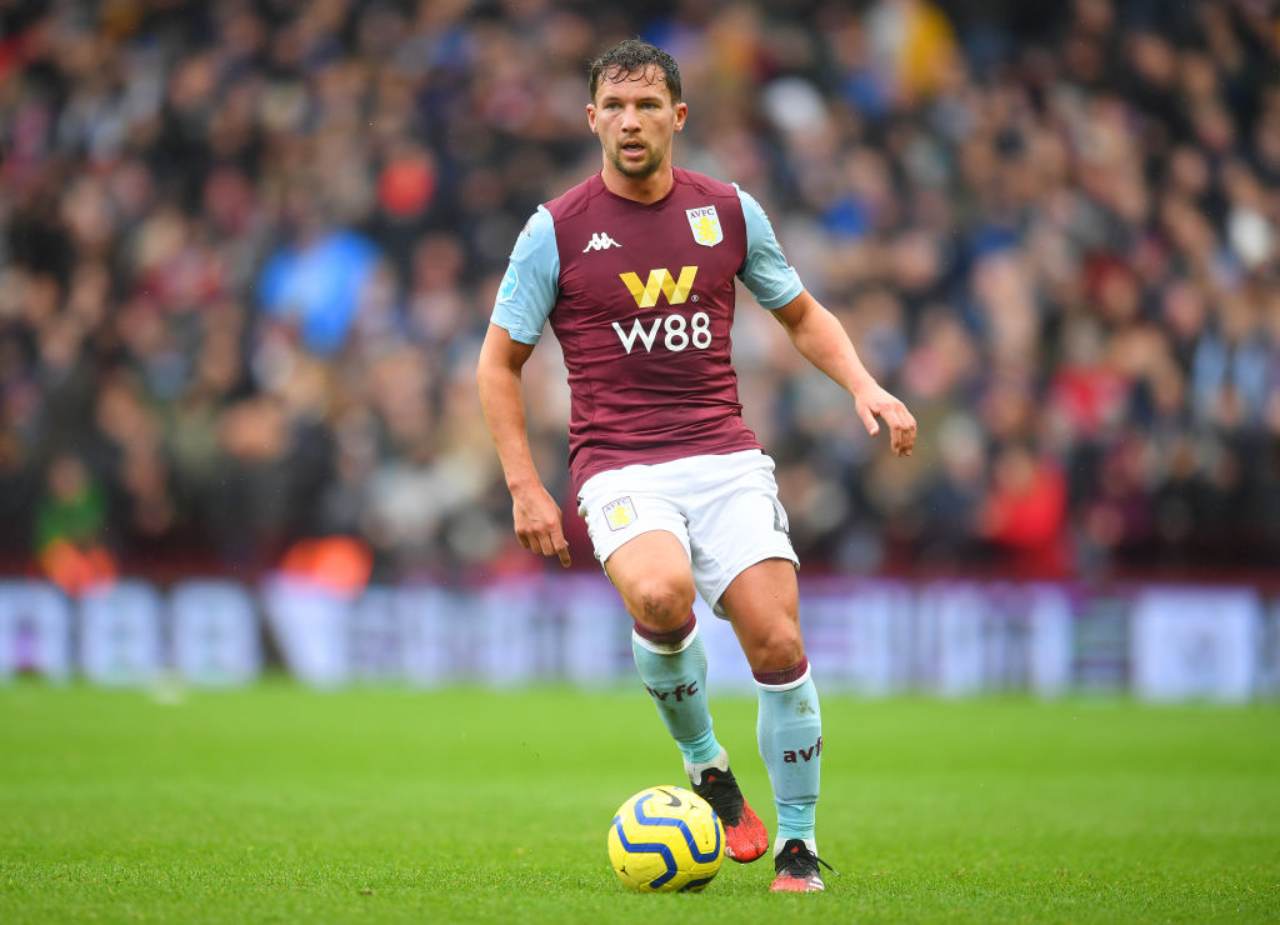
<point>621,505</point>
<point>763,604</point>
<point>653,574</point>
<point>735,522</point>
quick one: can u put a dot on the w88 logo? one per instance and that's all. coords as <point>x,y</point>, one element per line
<point>676,332</point>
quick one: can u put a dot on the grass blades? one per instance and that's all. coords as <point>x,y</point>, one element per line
<point>279,804</point>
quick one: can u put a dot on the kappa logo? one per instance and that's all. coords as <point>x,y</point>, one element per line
<point>600,242</point>
<point>661,282</point>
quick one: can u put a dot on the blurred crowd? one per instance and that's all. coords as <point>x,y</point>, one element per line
<point>250,249</point>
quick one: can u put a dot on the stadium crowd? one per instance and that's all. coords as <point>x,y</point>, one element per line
<point>250,248</point>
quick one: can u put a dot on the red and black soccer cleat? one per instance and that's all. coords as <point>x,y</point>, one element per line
<point>797,870</point>
<point>745,837</point>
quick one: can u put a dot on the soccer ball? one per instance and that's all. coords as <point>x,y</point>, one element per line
<point>666,839</point>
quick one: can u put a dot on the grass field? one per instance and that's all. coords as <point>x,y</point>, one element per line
<point>276,804</point>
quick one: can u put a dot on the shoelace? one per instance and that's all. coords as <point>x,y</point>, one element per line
<point>721,791</point>
<point>799,854</point>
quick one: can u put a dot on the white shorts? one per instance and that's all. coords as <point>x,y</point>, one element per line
<point>723,509</point>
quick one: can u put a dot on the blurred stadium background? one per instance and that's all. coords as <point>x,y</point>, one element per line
<point>250,247</point>
<point>248,250</point>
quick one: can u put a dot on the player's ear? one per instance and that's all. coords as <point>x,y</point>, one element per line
<point>591,117</point>
<point>682,112</point>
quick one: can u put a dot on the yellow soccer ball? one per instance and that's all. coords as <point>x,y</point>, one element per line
<point>666,839</point>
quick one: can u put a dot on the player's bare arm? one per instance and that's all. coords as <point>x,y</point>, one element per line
<point>536,515</point>
<point>823,341</point>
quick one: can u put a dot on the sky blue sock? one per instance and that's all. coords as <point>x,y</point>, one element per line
<point>789,730</point>
<point>673,667</point>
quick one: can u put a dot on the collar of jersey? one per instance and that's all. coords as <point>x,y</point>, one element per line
<point>656,204</point>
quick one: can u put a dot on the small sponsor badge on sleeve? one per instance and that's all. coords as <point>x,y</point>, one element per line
<point>620,514</point>
<point>510,283</point>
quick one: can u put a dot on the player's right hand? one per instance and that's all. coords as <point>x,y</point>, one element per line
<point>538,524</point>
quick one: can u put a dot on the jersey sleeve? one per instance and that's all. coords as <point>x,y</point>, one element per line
<point>772,280</point>
<point>531,284</point>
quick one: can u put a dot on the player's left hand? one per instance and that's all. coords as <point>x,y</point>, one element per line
<point>876,402</point>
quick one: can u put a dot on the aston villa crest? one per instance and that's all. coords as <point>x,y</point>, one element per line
<point>706,225</point>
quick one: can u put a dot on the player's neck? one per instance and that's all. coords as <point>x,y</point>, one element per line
<point>644,191</point>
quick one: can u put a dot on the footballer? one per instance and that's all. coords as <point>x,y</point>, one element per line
<point>634,269</point>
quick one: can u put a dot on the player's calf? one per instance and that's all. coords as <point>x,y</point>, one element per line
<point>790,736</point>
<point>673,667</point>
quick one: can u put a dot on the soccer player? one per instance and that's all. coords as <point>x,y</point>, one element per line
<point>634,268</point>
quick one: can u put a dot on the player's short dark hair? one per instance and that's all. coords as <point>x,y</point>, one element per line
<point>630,58</point>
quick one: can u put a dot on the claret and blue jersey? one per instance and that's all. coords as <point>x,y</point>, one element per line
<point>641,298</point>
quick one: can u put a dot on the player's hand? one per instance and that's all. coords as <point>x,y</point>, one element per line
<point>876,402</point>
<point>538,523</point>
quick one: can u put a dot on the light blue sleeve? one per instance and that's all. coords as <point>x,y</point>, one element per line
<point>772,280</point>
<point>532,282</point>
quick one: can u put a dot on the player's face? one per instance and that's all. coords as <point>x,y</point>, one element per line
<point>635,119</point>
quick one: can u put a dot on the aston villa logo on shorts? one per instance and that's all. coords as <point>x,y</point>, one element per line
<point>706,225</point>
<point>620,514</point>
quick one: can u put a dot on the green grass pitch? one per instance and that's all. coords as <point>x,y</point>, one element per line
<point>277,804</point>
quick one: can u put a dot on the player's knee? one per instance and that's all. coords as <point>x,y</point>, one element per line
<point>661,603</point>
<point>779,648</point>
